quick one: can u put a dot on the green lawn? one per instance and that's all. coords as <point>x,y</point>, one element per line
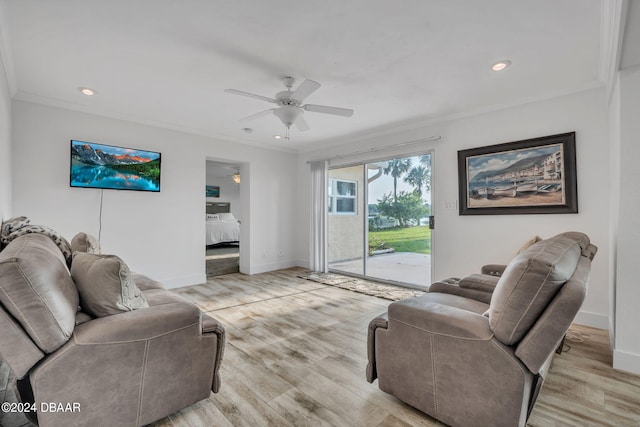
<point>408,239</point>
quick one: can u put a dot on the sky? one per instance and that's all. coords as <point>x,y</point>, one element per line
<point>384,185</point>
<point>112,149</point>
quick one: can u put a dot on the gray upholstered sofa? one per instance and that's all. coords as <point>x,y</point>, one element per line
<point>125,369</point>
<point>471,363</point>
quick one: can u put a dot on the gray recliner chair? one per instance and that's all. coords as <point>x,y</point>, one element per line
<point>471,363</point>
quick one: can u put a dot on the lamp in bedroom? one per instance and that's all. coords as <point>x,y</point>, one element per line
<point>236,177</point>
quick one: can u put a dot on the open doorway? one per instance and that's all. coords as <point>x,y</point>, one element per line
<point>223,212</point>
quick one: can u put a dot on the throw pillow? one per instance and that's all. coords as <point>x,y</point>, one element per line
<point>83,242</point>
<point>105,285</point>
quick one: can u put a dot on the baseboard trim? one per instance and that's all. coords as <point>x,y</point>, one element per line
<point>628,362</point>
<point>592,319</point>
<point>264,268</point>
<point>302,263</point>
<point>180,282</point>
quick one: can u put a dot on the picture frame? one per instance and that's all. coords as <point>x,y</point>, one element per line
<point>212,191</point>
<point>532,176</point>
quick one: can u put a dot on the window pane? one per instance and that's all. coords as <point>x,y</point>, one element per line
<point>346,188</point>
<point>345,205</point>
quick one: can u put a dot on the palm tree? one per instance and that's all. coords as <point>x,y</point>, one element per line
<point>425,159</point>
<point>396,168</point>
<point>419,176</point>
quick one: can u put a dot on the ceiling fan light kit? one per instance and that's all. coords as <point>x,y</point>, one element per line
<point>290,108</point>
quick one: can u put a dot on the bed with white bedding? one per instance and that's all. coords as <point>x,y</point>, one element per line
<point>222,228</point>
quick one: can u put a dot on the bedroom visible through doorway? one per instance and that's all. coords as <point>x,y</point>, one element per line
<point>223,209</point>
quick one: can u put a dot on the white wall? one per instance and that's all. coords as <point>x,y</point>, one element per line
<point>462,244</point>
<point>159,234</point>
<point>5,144</point>
<point>626,353</point>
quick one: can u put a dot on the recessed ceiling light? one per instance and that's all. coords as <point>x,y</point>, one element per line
<point>87,91</point>
<point>277,136</point>
<point>501,65</point>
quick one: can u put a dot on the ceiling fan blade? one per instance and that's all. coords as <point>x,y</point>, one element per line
<point>301,124</point>
<point>256,115</point>
<point>346,112</point>
<point>250,95</point>
<point>305,89</point>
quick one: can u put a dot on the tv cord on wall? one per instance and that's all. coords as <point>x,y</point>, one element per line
<point>100,218</point>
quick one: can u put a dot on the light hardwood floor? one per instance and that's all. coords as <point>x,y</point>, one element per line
<point>296,356</point>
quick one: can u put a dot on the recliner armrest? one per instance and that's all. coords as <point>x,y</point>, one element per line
<point>151,362</point>
<point>379,322</point>
<point>479,289</point>
<point>431,316</point>
<point>138,325</point>
<point>212,326</point>
<point>480,282</point>
<point>493,269</point>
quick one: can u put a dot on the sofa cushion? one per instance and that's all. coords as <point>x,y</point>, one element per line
<point>83,242</point>
<point>105,285</point>
<point>530,282</point>
<point>36,288</point>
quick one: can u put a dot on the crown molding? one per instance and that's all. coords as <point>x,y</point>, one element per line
<point>427,121</point>
<point>101,112</point>
<point>5,51</point>
<point>613,19</point>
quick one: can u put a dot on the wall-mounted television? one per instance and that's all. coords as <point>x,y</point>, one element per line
<point>111,167</point>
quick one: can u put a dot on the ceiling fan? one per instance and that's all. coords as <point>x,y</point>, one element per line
<point>290,108</point>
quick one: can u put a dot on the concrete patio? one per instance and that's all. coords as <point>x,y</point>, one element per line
<point>403,267</point>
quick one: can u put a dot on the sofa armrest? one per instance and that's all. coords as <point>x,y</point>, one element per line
<point>149,362</point>
<point>17,350</point>
<point>138,325</point>
<point>493,269</point>
<point>212,326</point>
<point>379,322</point>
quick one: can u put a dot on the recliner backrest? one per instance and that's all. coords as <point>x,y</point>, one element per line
<point>36,289</point>
<point>530,282</point>
<point>547,333</point>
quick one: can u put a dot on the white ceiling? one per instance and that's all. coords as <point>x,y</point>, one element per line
<point>167,62</point>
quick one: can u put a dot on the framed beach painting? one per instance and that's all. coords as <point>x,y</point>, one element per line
<point>212,191</point>
<point>533,176</point>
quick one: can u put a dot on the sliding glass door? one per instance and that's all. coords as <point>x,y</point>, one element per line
<point>388,237</point>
